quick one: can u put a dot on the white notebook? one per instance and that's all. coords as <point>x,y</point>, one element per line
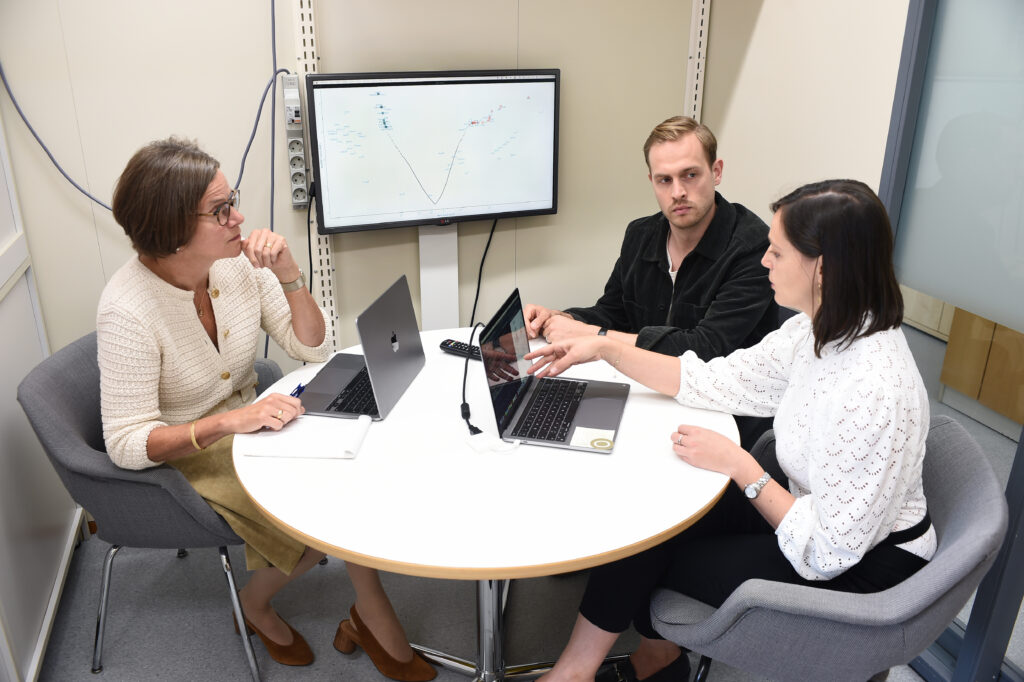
<point>309,436</point>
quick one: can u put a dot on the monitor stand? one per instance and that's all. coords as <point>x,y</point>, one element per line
<point>439,276</point>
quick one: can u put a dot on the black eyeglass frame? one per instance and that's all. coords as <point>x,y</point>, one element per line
<point>222,211</point>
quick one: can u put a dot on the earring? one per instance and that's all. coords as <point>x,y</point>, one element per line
<point>178,250</point>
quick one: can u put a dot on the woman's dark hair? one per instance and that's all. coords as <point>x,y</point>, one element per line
<point>845,223</point>
<point>158,194</point>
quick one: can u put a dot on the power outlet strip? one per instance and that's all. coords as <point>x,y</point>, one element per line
<point>296,143</point>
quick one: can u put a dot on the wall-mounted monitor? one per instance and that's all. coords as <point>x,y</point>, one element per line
<point>432,148</point>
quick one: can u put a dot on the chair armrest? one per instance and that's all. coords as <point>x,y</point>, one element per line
<point>268,372</point>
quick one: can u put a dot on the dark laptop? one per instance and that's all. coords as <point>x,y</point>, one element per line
<point>577,414</point>
<point>352,385</point>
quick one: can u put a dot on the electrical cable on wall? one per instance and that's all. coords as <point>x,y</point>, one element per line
<point>252,135</point>
<point>42,145</point>
<point>32,130</point>
<point>309,226</point>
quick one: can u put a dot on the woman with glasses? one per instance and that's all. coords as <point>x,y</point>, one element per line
<point>178,328</point>
<point>844,509</point>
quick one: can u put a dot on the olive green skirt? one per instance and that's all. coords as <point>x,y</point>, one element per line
<point>211,472</point>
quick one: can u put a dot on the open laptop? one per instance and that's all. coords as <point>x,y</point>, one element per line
<point>577,414</point>
<point>351,385</point>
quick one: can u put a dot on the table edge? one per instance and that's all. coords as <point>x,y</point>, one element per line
<point>490,572</point>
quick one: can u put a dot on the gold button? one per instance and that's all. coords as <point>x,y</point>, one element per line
<point>225,375</point>
<point>226,332</point>
<point>214,293</point>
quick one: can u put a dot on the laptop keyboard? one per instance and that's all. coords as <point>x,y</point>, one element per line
<point>356,397</point>
<point>551,410</point>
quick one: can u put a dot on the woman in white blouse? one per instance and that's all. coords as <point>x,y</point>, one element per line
<point>178,329</point>
<point>850,419</point>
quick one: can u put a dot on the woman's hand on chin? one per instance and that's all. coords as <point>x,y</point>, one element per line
<point>267,249</point>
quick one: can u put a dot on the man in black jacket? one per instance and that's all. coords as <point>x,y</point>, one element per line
<point>687,278</point>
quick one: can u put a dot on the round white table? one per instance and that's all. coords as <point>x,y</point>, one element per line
<point>420,499</point>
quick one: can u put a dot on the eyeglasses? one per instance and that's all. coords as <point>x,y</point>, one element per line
<point>222,212</point>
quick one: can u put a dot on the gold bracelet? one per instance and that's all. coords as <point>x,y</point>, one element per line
<point>192,433</point>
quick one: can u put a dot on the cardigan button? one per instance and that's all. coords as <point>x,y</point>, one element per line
<point>214,293</point>
<point>225,375</point>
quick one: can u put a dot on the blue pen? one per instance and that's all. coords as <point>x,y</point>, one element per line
<point>298,391</point>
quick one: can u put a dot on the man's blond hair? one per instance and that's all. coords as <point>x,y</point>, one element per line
<point>675,128</point>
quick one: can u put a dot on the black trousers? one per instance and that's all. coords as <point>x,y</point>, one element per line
<point>732,543</point>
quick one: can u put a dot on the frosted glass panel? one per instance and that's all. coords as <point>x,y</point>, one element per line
<point>961,231</point>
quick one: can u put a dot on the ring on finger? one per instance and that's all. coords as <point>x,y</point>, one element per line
<point>279,415</point>
<point>266,245</point>
<point>679,440</point>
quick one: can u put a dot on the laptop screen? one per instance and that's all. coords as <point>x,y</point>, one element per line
<point>503,343</point>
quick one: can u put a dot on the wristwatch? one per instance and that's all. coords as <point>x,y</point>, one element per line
<point>754,489</point>
<point>294,285</point>
<point>602,331</point>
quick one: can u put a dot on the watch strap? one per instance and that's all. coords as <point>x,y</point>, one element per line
<point>294,285</point>
<point>603,331</point>
<point>754,489</point>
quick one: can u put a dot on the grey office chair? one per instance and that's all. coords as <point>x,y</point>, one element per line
<point>793,632</point>
<point>154,508</point>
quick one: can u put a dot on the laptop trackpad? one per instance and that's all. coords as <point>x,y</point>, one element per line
<point>333,377</point>
<point>601,407</point>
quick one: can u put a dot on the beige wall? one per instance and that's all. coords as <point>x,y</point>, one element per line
<point>796,91</point>
<point>100,79</point>
<point>611,97</point>
<point>799,91</point>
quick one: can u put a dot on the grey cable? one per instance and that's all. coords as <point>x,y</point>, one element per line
<point>252,135</point>
<point>32,130</point>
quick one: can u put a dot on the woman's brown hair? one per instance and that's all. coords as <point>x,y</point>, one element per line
<point>158,195</point>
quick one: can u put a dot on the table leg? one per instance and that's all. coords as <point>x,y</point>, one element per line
<point>491,600</point>
<point>491,596</point>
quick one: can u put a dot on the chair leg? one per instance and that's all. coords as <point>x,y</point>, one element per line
<point>101,614</point>
<point>236,606</point>
<point>703,667</point>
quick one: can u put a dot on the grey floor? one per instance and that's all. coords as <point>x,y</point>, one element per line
<point>169,618</point>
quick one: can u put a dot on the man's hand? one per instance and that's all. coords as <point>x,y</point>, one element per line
<point>562,327</point>
<point>536,316</point>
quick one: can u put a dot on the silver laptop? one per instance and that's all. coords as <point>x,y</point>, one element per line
<point>351,385</point>
<point>577,414</point>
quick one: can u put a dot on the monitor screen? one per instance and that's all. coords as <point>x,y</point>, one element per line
<point>422,148</point>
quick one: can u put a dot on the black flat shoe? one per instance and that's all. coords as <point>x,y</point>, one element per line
<point>623,671</point>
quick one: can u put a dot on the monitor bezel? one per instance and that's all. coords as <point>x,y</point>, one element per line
<point>313,78</point>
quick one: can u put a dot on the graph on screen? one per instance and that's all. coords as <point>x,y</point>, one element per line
<point>420,149</point>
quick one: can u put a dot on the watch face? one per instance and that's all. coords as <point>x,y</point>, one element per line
<point>750,491</point>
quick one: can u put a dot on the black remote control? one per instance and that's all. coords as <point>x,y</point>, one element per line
<point>461,349</point>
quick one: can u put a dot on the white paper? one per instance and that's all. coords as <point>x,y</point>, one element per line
<point>311,437</point>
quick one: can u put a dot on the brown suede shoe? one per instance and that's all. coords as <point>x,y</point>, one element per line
<point>350,635</point>
<point>297,653</point>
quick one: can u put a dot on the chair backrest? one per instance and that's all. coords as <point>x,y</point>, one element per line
<point>968,509</point>
<point>150,508</point>
<point>851,636</point>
